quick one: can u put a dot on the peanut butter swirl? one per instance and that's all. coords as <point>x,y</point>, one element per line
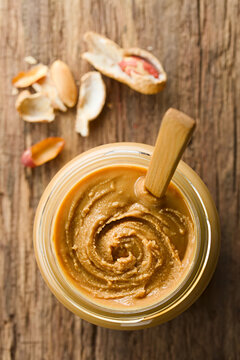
<point>116,245</point>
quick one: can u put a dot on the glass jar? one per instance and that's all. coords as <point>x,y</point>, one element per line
<point>206,226</point>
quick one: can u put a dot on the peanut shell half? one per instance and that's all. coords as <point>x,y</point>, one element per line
<point>110,59</point>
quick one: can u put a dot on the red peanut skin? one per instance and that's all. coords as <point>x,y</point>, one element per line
<point>132,62</point>
<point>27,160</point>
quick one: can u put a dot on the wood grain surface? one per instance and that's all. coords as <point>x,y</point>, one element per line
<point>197,42</point>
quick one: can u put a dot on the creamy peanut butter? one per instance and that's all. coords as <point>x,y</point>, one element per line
<point>118,244</point>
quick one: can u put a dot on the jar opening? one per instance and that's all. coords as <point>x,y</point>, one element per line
<point>105,156</point>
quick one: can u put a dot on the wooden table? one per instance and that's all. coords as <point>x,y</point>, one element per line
<point>198,44</point>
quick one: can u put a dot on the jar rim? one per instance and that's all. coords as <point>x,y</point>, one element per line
<point>45,258</point>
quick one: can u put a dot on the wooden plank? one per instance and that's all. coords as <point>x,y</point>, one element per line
<point>197,42</point>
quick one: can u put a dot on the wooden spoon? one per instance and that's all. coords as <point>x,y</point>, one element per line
<point>174,134</point>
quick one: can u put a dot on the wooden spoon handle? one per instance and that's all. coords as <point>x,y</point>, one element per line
<point>174,134</point>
